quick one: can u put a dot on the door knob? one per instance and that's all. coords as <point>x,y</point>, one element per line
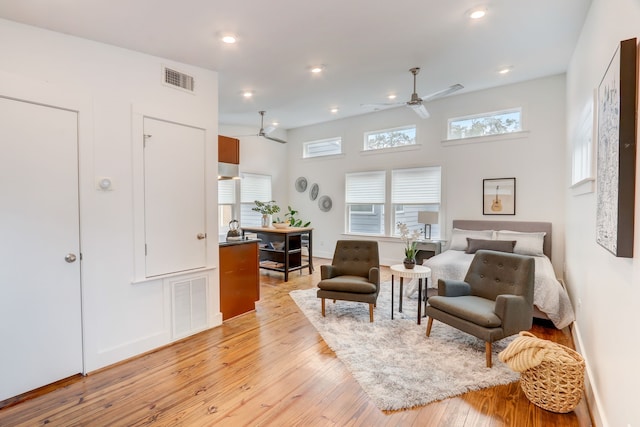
<point>70,258</point>
<point>201,236</point>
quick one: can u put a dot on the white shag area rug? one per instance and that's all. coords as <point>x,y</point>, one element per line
<point>393,360</point>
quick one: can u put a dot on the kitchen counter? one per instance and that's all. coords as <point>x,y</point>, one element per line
<point>239,277</point>
<point>238,242</point>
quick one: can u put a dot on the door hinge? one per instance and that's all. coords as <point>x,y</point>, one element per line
<point>145,249</point>
<point>145,136</point>
<point>80,256</point>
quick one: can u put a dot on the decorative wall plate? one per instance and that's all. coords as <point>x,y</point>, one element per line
<point>301,184</point>
<point>313,193</point>
<point>324,203</point>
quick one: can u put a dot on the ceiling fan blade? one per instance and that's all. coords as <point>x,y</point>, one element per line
<point>281,141</point>
<point>383,104</point>
<point>269,129</point>
<point>420,110</point>
<point>443,92</point>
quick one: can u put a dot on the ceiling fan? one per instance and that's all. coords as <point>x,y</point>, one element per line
<point>416,102</point>
<point>265,132</point>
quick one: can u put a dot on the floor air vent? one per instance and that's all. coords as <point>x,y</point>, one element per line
<point>177,79</point>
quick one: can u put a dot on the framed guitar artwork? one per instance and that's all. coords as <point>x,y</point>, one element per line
<point>499,196</point>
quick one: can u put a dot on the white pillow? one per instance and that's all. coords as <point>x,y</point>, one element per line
<point>526,243</point>
<point>459,237</point>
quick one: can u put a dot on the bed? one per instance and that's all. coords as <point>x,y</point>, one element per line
<point>551,300</point>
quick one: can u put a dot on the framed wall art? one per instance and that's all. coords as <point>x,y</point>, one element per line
<point>616,155</point>
<point>499,196</point>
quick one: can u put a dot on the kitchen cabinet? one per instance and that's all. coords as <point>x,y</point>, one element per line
<point>228,150</point>
<point>281,249</point>
<point>239,277</point>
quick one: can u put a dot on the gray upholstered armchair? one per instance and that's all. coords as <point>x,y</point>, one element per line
<point>494,301</point>
<point>354,274</point>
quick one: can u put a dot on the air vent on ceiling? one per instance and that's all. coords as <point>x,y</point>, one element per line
<point>178,79</point>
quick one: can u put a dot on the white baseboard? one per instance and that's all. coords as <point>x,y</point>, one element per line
<point>590,390</point>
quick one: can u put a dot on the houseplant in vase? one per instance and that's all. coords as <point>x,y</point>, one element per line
<point>267,209</point>
<point>410,239</point>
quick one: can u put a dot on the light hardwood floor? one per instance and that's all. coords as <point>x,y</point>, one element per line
<point>268,368</point>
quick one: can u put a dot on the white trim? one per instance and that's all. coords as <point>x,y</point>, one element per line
<point>584,186</point>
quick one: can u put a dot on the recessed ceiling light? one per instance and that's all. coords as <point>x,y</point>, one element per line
<point>247,94</point>
<point>477,14</point>
<point>316,70</point>
<point>392,96</point>
<point>274,123</point>
<point>229,39</point>
<point>334,110</point>
<point>505,70</point>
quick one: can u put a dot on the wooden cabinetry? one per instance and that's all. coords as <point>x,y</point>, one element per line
<point>228,150</point>
<point>239,278</point>
<point>281,249</point>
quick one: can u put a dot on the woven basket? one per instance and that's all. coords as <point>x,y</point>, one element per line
<point>557,383</point>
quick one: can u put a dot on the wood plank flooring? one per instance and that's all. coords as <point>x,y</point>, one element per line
<point>265,368</point>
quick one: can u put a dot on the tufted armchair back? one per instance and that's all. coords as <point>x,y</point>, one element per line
<point>495,273</point>
<point>355,257</point>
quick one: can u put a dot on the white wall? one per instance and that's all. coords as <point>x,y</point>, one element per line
<point>537,161</point>
<point>605,289</point>
<point>111,87</point>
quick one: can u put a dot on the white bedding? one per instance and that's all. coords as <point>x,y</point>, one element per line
<point>548,296</point>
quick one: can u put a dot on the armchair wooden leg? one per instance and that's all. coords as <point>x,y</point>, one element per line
<point>487,346</point>
<point>370,312</point>
<point>429,323</point>
<point>322,307</point>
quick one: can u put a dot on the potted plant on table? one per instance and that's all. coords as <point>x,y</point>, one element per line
<point>410,238</point>
<point>267,209</point>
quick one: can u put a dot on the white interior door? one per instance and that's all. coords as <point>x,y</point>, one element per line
<point>174,197</point>
<point>40,306</point>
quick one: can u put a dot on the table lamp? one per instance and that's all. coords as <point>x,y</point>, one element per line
<point>427,218</point>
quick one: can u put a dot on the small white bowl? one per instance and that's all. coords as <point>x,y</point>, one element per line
<point>281,224</point>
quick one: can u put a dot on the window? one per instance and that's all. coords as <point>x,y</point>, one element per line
<point>582,159</point>
<point>390,138</point>
<point>226,205</point>
<point>365,194</point>
<point>324,147</point>
<point>414,190</point>
<point>253,187</point>
<point>495,123</point>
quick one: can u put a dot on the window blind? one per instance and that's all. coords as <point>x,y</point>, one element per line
<point>227,192</point>
<point>415,185</point>
<point>365,187</point>
<point>255,187</point>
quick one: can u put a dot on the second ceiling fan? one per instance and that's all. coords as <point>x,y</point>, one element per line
<point>417,102</point>
<point>265,133</point>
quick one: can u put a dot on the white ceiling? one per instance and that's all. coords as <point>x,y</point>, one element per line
<point>366,46</point>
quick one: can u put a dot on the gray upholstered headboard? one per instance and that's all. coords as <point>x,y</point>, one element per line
<point>528,226</point>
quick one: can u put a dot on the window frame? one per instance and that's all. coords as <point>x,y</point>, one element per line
<point>365,145</point>
<point>486,115</point>
<point>306,145</point>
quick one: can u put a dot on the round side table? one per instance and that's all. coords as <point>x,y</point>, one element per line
<point>418,272</point>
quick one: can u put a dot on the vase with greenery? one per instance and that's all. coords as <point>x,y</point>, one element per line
<point>267,209</point>
<point>410,239</point>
